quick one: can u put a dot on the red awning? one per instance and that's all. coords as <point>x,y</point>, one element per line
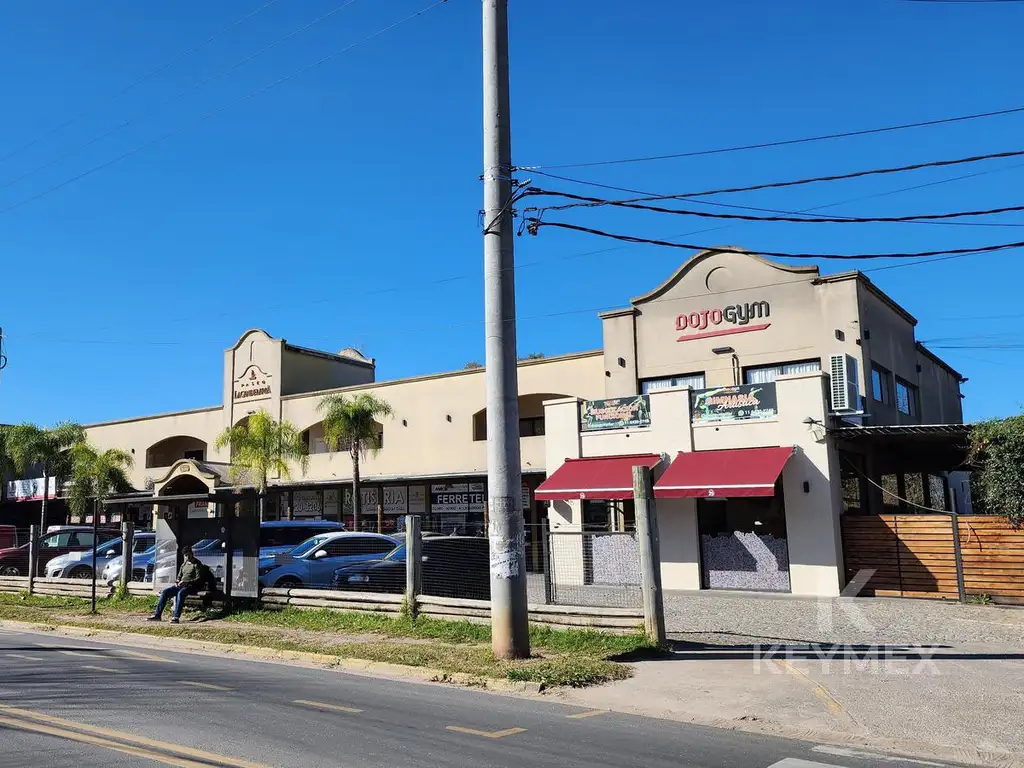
<point>604,477</point>
<point>723,474</point>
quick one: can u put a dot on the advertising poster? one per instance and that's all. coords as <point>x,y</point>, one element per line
<point>744,402</point>
<point>616,413</point>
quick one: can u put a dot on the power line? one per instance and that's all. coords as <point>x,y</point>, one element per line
<point>783,143</point>
<point>207,116</point>
<point>181,94</point>
<point>535,224</point>
<point>149,75</point>
<point>592,202</point>
<point>812,180</point>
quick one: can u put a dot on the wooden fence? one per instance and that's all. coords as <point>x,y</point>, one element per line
<point>915,555</point>
<point>68,587</point>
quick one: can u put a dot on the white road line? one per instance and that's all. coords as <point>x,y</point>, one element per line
<point>145,656</point>
<point>208,686</point>
<point>880,756</point>
<point>86,654</point>
<point>27,658</point>
<point>323,705</point>
<point>796,762</point>
<point>114,670</point>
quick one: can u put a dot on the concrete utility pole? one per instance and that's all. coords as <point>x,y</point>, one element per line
<point>510,638</point>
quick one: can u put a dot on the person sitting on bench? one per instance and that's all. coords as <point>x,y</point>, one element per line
<point>189,581</point>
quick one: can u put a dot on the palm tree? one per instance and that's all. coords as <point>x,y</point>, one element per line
<point>351,423</point>
<point>29,445</point>
<point>261,445</point>
<point>95,475</point>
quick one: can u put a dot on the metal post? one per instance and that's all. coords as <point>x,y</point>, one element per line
<point>229,553</point>
<point>545,534</point>
<point>510,637</point>
<point>650,560</point>
<point>127,548</point>
<point>957,553</point>
<point>95,544</point>
<point>380,509</point>
<point>32,544</point>
<point>413,561</point>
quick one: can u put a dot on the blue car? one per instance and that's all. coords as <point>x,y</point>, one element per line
<point>281,536</point>
<point>315,560</point>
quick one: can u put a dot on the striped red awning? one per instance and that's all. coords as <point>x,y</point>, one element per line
<point>603,477</point>
<point>723,474</point>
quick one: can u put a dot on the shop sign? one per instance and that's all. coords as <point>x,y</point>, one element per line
<point>617,413</point>
<point>331,503</point>
<point>307,503</point>
<point>198,510</point>
<point>368,500</point>
<point>736,318</point>
<point>396,500</point>
<point>744,402</point>
<point>452,504</point>
<point>417,500</point>
<point>31,489</point>
<point>253,384</point>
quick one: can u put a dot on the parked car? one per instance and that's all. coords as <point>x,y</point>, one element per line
<point>78,565</point>
<point>281,536</point>
<point>60,541</point>
<point>143,564</point>
<point>452,566</point>
<point>314,561</point>
<point>8,537</point>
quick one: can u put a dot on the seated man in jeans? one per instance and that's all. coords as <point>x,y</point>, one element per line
<point>189,580</point>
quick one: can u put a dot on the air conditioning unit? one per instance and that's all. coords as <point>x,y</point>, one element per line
<point>844,387</point>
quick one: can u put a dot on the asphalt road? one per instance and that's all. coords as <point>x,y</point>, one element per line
<point>74,702</point>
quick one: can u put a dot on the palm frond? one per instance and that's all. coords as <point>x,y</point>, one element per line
<point>260,445</point>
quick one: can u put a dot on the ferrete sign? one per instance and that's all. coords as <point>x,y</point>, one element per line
<point>736,318</point>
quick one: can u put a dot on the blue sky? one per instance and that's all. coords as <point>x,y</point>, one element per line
<point>355,184</point>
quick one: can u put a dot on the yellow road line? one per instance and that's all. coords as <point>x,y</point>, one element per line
<point>819,690</point>
<point>115,670</point>
<point>592,713</point>
<point>145,656</point>
<point>208,686</point>
<point>322,705</point>
<point>486,734</point>
<point>98,742</point>
<point>27,658</point>
<point>131,738</point>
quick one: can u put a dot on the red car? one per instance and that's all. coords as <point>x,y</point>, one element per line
<point>70,538</point>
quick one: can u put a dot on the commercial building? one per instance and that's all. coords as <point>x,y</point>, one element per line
<point>755,390</point>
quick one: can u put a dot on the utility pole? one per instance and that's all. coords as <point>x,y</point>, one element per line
<point>510,637</point>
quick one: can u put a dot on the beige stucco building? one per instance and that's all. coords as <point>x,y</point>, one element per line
<point>799,354</point>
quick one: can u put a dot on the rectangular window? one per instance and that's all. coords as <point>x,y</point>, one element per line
<point>194,455</point>
<point>531,427</point>
<point>906,397</point>
<point>881,385</point>
<point>691,380</point>
<point>765,374</point>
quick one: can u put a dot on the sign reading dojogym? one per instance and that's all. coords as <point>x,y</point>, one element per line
<point>738,316</point>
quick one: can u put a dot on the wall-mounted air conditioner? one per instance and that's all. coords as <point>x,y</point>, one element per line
<point>844,389</point>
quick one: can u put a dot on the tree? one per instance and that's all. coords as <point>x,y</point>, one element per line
<point>95,475</point>
<point>533,356</point>
<point>472,365</point>
<point>351,423</point>
<point>997,449</point>
<point>29,446</point>
<point>261,445</point>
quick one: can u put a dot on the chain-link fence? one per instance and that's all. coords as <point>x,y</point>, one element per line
<point>593,569</point>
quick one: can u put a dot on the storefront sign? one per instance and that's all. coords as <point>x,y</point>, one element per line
<point>198,510</point>
<point>452,504</point>
<point>396,500</point>
<point>307,504</point>
<point>417,500</point>
<point>617,413</point>
<point>738,316</point>
<point>31,489</point>
<point>740,403</point>
<point>253,384</point>
<point>368,501</point>
<point>331,504</point>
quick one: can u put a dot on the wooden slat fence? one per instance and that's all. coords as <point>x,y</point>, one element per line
<point>914,555</point>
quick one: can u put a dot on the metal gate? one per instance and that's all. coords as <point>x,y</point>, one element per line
<point>598,569</point>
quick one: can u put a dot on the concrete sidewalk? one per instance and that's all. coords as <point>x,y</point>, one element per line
<point>928,678</point>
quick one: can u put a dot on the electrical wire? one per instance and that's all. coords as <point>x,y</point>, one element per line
<point>782,143</point>
<point>177,97</point>
<point>593,202</point>
<point>134,84</point>
<point>209,115</point>
<point>535,224</point>
<point>812,180</point>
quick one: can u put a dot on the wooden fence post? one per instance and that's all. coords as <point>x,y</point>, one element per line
<point>957,553</point>
<point>413,562</point>
<point>650,557</point>
<point>127,548</point>
<point>32,532</point>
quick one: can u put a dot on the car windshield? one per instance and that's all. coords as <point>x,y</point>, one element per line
<point>309,545</point>
<point>112,544</point>
<point>205,544</point>
<point>398,553</point>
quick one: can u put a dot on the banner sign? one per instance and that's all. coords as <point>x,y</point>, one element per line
<point>453,503</point>
<point>306,503</point>
<point>744,402</point>
<point>31,489</point>
<point>396,500</point>
<point>417,500</point>
<point>617,413</point>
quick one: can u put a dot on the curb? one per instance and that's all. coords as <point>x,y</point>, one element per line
<point>346,664</point>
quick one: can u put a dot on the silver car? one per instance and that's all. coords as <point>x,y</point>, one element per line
<point>78,565</point>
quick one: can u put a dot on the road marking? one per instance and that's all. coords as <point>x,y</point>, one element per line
<point>322,705</point>
<point>86,654</point>
<point>591,713</point>
<point>486,734</point>
<point>142,741</point>
<point>208,686</point>
<point>104,669</point>
<point>796,762</point>
<point>27,658</point>
<point>820,691</point>
<point>847,752</point>
<point>145,656</point>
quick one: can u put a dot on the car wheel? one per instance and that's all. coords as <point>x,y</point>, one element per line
<point>10,570</point>
<point>287,582</point>
<point>80,572</point>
